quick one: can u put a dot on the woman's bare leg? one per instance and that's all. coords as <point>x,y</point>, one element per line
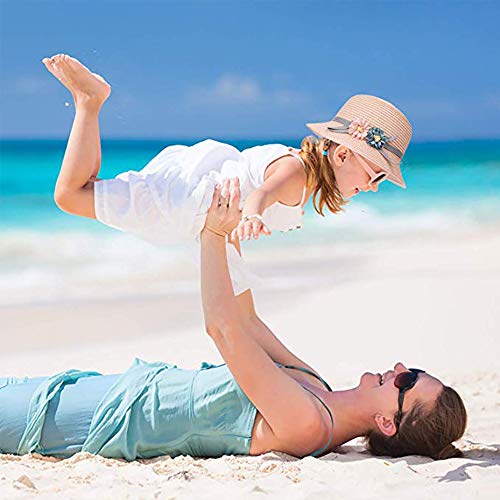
<point>74,193</point>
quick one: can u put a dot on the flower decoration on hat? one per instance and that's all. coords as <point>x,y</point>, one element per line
<point>359,128</point>
<point>376,138</point>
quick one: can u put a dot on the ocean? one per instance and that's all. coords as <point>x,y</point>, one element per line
<point>47,255</point>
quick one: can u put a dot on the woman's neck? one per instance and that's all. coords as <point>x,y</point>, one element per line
<point>350,417</point>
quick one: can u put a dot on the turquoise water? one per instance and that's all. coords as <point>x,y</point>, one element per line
<point>461,177</point>
<point>47,255</point>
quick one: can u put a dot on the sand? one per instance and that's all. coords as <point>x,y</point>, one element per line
<point>431,302</point>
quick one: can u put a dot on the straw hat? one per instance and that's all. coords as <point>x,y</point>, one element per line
<point>373,128</point>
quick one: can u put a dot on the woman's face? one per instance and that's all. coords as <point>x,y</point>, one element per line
<point>350,175</point>
<point>382,395</point>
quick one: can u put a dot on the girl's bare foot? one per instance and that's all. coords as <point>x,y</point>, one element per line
<point>85,86</point>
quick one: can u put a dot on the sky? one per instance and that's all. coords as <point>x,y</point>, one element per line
<point>252,69</point>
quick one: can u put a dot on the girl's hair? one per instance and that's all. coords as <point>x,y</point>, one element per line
<point>425,432</point>
<point>320,174</point>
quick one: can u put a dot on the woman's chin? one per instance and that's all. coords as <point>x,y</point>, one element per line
<point>369,379</point>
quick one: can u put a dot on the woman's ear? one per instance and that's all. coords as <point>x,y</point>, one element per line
<point>385,425</point>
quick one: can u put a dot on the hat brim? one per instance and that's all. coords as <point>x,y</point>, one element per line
<point>361,147</point>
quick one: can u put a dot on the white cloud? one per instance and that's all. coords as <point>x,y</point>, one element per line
<point>287,96</point>
<point>29,85</point>
<point>231,89</point>
<point>227,89</point>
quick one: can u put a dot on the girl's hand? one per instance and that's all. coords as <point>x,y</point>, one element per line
<point>247,228</point>
<point>224,213</point>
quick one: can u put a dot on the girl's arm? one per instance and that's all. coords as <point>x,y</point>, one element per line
<point>285,185</point>
<point>287,408</point>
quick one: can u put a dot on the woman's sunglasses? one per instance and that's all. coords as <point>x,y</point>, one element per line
<point>375,177</point>
<point>404,381</point>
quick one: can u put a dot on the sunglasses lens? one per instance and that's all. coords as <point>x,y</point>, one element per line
<point>405,379</point>
<point>379,178</point>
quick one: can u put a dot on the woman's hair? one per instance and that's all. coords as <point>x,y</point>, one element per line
<point>425,432</point>
<point>320,174</point>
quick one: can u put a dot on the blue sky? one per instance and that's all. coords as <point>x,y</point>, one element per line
<point>252,69</point>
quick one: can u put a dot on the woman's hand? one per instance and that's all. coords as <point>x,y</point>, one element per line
<point>224,212</point>
<point>250,227</point>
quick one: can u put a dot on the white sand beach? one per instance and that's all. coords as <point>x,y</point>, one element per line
<point>431,301</point>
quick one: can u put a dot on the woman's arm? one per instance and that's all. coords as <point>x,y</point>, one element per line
<point>288,409</point>
<point>262,333</point>
<point>265,337</point>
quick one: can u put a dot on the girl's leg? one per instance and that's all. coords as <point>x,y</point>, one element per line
<point>97,164</point>
<point>74,193</point>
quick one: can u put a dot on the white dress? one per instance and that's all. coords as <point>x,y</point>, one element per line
<point>167,201</point>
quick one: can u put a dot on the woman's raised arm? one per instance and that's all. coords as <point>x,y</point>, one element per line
<point>266,338</point>
<point>287,408</point>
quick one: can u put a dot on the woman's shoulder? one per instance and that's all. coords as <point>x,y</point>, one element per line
<point>308,443</point>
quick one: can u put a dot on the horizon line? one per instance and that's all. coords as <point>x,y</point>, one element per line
<point>247,139</point>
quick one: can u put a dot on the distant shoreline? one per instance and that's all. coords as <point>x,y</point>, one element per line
<point>262,140</point>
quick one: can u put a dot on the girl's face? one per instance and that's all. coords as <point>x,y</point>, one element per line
<point>350,174</point>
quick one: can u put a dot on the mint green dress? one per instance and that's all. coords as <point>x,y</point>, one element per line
<point>151,409</point>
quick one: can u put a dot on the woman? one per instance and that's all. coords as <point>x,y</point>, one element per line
<point>262,398</point>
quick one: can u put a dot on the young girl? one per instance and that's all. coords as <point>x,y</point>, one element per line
<point>167,201</point>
